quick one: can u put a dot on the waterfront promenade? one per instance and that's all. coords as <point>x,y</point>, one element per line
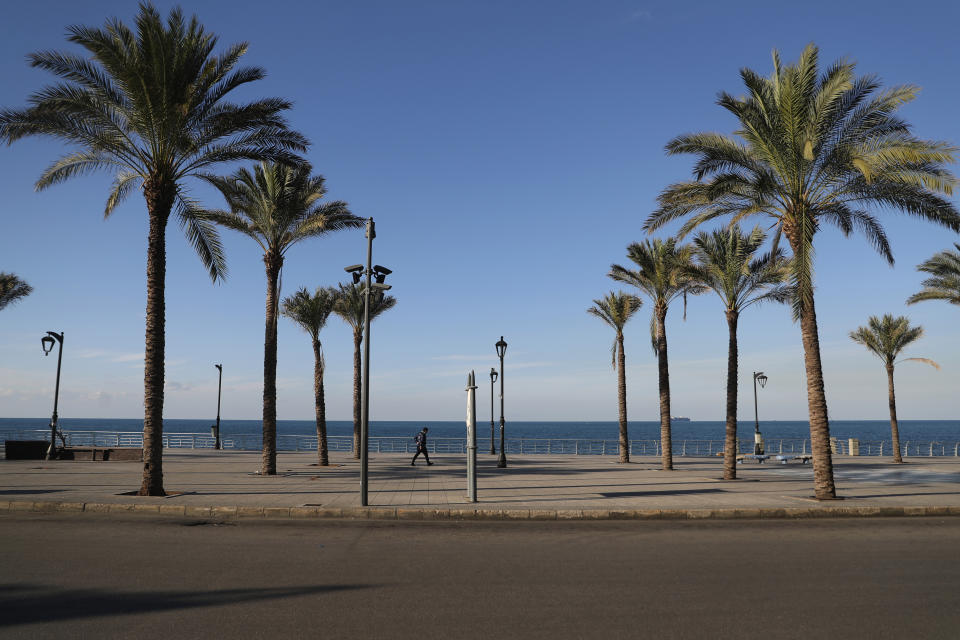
<point>225,484</point>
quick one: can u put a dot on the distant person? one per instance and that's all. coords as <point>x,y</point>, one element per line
<point>421,440</point>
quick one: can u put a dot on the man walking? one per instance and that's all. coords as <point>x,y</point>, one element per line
<point>421,440</point>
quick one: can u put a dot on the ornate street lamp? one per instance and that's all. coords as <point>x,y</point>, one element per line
<point>216,428</point>
<point>380,273</point>
<point>493,378</point>
<point>757,438</point>
<point>501,351</point>
<point>47,342</point>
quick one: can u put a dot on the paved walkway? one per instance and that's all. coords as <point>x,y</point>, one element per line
<point>225,483</point>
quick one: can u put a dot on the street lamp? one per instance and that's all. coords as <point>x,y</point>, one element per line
<point>757,438</point>
<point>501,351</point>
<point>380,273</point>
<point>216,428</point>
<point>493,378</point>
<point>46,343</point>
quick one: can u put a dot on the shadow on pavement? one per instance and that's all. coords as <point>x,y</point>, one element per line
<point>29,603</point>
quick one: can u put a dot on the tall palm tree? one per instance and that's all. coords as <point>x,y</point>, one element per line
<point>150,105</point>
<point>944,283</point>
<point>886,337</point>
<point>728,264</point>
<point>615,309</point>
<point>663,275</point>
<point>311,313</point>
<point>277,206</point>
<point>350,309</point>
<point>12,289</point>
<point>812,149</point>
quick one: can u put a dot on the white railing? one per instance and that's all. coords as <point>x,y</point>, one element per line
<point>515,446</point>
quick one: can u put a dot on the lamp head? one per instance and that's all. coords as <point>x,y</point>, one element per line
<point>219,367</point>
<point>762,379</point>
<point>46,342</point>
<point>501,348</point>
<point>493,375</point>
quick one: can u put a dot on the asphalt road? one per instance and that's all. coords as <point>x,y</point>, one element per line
<point>66,576</point>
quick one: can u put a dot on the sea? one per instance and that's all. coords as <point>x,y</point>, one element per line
<point>865,430</point>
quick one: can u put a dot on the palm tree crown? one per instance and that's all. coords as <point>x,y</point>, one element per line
<point>615,309</point>
<point>886,337</point>
<point>728,264</point>
<point>944,283</point>
<point>812,149</point>
<point>278,205</point>
<point>310,312</point>
<point>150,105</point>
<point>663,274</point>
<point>12,289</point>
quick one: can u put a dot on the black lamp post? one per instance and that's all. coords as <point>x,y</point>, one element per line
<point>493,378</point>
<point>501,351</point>
<point>46,342</point>
<point>757,438</point>
<point>216,432</point>
<point>380,273</point>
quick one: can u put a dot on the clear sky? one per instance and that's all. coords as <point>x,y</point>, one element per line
<point>509,152</point>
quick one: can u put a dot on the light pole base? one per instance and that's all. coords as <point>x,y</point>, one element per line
<point>502,461</point>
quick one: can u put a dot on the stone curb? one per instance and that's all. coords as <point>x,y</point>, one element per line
<point>427,514</point>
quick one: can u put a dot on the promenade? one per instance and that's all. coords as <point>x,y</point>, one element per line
<point>226,484</point>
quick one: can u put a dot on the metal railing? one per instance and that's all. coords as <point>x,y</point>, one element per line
<point>515,446</point>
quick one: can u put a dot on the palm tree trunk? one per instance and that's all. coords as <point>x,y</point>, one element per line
<point>823,486</point>
<point>357,340</point>
<point>321,407</point>
<point>159,203</point>
<point>622,400</point>
<point>730,441</point>
<point>666,441</point>
<point>269,462</point>
<point>894,428</point>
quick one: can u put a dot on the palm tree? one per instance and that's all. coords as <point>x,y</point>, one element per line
<point>615,309</point>
<point>149,104</point>
<point>311,313</point>
<point>277,206</point>
<point>727,263</point>
<point>944,267</point>
<point>812,149</point>
<point>12,289</point>
<point>663,276</point>
<point>350,308</point>
<point>886,337</point>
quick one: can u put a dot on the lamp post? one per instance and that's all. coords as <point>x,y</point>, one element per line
<point>493,378</point>
<point>501,351</point>
<point>757,438</point>
<point>46,342</point>
<point>380,273</point>
<point>216,433</point>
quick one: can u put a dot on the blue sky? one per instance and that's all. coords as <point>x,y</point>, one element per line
<point>509,152</point>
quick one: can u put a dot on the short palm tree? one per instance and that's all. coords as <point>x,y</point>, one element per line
<point>149,104</point>
<point>812,149</point>
<point>728,264</point>
<point>277,206</point>
<point>663,275</point>
<point>944,283</point>
<point>12,289</point>
<point>886,337</point>
<point>615,309</point>
<point>350,309</point>
<point>311,313</point>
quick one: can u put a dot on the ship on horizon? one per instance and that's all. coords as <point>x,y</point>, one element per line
<point>679,418</point>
